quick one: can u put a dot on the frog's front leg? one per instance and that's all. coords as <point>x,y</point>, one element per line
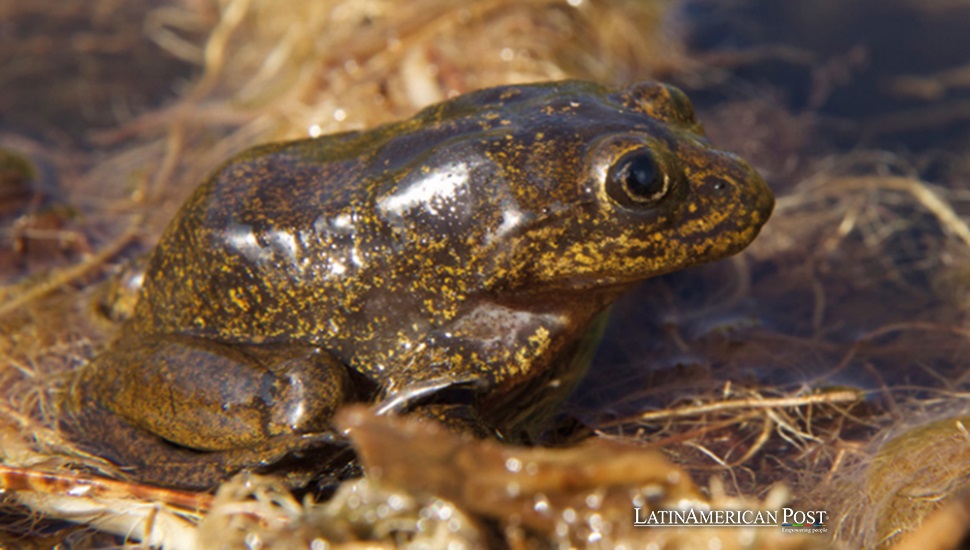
<point>211,396</point>
<point>494,370</point>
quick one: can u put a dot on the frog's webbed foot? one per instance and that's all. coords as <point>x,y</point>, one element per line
<point>416,395</point>
<point>498,371</point>
<point>297,459</point>
<point>456,405</point>
<point>448,401</point>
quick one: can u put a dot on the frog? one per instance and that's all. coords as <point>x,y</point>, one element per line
<point>456,265</point>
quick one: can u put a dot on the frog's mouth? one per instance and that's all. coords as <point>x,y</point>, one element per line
<point>623,260</point>
<point>716,214</point>
<point>727,206</point>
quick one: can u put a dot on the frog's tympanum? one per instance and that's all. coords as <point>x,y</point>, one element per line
<point>452,265</point>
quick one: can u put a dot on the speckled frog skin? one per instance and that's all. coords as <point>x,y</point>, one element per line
<point>453,263</point>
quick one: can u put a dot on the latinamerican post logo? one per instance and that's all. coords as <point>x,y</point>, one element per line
<point>789,520</point>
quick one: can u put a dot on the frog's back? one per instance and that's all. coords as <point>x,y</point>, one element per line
<point>322,240</point>
<point>283,225</point>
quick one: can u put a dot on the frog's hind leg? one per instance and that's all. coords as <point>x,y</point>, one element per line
<point>186,411</point>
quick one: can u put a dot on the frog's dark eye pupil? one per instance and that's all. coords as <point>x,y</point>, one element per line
<point>637,179</point>
<point>640,176</point>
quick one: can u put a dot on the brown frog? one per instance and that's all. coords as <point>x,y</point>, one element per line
<point>455,263</point>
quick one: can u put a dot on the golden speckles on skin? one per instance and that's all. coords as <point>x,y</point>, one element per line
<point>536,345</point>
<point>237,297</point>
<point>492,273</point>
<point>562,108</point>
<point>540,339</point>
<point>585,254</point>
<point>699,225</point>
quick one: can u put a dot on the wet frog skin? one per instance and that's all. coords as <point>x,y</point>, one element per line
<point>454,263</point>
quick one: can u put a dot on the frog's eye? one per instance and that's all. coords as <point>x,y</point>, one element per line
<point>637,180</point>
